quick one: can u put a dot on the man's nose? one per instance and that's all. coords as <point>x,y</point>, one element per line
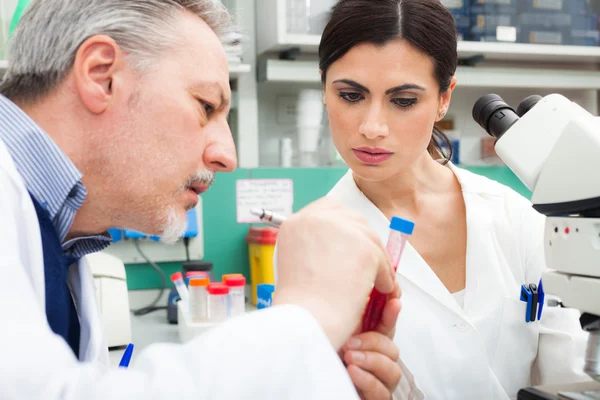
<point>220,154</point>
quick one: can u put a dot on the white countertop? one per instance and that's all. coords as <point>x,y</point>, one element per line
<point>149,328</point>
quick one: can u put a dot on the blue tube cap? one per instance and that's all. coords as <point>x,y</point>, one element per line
<point>402,225</point>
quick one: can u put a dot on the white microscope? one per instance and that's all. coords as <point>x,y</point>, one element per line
<point>553,146</point>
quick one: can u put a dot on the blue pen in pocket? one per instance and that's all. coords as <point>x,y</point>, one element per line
<point>126,356</point>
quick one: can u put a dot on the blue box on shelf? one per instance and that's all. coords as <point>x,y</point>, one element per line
<point>457,6</point>
<point>545,19</point>
<point>585,22</point>
<point>494,7</point>
<point>542,35</point>
<point>585,38</point>
<point>491,21</point>
<point>570,6</point>
<point>462,24</point>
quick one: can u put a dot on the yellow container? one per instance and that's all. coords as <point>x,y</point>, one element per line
<point>261,246</point>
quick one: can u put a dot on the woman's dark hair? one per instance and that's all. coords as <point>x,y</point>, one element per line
<point>426,24</point>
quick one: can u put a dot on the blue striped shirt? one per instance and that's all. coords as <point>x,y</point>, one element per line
<point>48,174</point>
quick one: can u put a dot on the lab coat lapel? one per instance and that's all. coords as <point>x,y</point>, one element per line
<point>92,345</point>
<point>412,266</point>
<point>487,280</point>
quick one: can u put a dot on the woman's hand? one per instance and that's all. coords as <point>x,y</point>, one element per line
<point>371,357</point>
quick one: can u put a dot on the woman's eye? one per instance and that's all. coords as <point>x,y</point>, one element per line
<point>351,97</point>
<point>404,103</point>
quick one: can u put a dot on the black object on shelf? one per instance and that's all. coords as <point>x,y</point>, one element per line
<point>199,266</point>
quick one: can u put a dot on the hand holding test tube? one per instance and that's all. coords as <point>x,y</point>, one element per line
<point>400,229</point>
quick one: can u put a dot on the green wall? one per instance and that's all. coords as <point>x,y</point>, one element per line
<point>224,238</point>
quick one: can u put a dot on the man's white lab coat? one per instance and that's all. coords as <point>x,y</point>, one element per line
<point>280,353</point>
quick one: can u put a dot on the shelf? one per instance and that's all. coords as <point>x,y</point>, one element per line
<point>530,52</point>
<point>466,49</point>
<point>476,77</point>
<point>235,70</point>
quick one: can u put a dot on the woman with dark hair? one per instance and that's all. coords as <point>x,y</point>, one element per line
<point>387,68</point>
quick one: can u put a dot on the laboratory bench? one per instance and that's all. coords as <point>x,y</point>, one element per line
<point>150,328</point>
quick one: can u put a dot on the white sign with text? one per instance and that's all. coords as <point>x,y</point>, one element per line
<point>276,195</point>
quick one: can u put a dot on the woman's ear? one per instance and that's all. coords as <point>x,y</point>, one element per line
<point>445,99</point>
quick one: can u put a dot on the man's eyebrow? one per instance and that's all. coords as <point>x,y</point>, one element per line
<point>200,87</point>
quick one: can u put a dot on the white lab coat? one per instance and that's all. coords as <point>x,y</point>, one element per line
<point>280,353</point>
<point>484,350</point>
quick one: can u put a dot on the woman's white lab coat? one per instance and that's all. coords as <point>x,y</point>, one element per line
<point>485,350</point>
<point>277,354</point>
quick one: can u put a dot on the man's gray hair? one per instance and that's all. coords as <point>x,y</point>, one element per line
<point>45,42</point>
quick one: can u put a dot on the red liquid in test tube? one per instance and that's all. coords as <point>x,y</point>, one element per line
<point>400,229</point>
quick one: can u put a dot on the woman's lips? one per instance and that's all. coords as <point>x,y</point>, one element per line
<point>372,156</point>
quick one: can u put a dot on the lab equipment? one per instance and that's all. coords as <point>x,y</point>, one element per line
<point>112,297</point>
<point>199,266</point>
<point>566,140</point>
<point>237,297</point>
<point>400,229</point>
<point>126,359</point>
<point>194,274</point>
<point>261,248</point>
<point>177,279</point>
<point>217,302</point>
<point>298,14</point>
<point>226,276</point>
<point>265,295</point>
<point>199,298</point>
<point>268,217</point>
<point>310,115</point>
<point>286,152</point>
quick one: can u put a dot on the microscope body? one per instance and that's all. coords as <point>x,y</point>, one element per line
<point>553,146</point>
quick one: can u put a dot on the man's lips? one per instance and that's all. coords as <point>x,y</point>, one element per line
<point>198,188</point>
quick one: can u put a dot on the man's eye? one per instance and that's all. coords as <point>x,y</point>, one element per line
<point>208,108</point>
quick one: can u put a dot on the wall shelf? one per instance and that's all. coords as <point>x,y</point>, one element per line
<point>235,70</point>
<point>522,52</point>
<point>271,70</point>
<point>274,36</point>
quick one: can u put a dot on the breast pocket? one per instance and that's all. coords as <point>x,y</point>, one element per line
<point>517,347</point>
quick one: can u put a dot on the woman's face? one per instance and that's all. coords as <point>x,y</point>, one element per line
<point>382,104</point>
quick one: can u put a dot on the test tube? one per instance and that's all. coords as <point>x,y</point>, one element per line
<point>194,274</point>
<point>217,302</point>
<point>237,295</point>
<point>227,276</point>
<point>199,298</point>
<point>400,229</point>
<point>177,279</point>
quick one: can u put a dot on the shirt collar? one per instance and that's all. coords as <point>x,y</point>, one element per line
<point>49,175</point>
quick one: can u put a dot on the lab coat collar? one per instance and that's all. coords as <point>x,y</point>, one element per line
<point>412,266</point>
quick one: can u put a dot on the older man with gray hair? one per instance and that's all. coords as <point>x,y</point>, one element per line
<point>113,114</point>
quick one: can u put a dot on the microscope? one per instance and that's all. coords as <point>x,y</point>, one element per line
<point>553,146</point>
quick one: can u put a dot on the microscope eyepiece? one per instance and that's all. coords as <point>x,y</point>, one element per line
<point>494,115</point>
<point>527,104</point>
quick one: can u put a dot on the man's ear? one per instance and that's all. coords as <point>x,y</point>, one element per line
<point>96,62</point>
